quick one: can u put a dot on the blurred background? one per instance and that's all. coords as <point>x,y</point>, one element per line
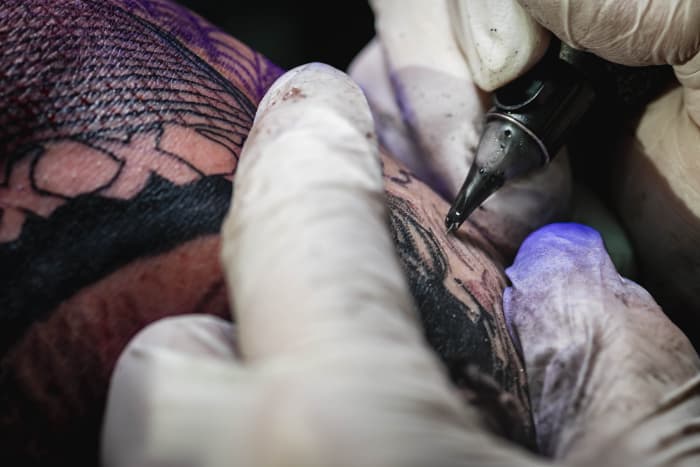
<point>294,32</point>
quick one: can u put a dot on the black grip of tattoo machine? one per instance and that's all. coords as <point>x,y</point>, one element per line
<point>535,115</point>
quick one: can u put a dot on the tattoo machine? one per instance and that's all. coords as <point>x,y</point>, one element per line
<point>534,116</point>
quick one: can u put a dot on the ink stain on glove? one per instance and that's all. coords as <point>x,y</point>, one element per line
<point>599,352</point>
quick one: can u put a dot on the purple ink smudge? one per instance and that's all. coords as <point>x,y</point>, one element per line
<point>89,70</point>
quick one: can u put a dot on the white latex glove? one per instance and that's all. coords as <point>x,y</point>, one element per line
<point>658,189</point>
<point>333,369</point>
<point>327,365</point>
<point>422,76</point>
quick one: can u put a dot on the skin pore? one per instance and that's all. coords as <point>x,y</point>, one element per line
<point>123,124</point>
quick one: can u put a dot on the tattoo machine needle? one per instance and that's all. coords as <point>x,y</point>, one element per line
<point>528,124</point>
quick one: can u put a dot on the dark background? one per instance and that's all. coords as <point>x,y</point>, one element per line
<point>294,32</point>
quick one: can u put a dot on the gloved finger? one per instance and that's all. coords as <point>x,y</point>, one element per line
<point>657,196</point>
<point>443,111</point>
<point>434,90</point>
<point>306,246</point>
<point>629,32</point>
<point>500,40</point>
<point>319,294</point>
<point>371,72</point>
<point>632,32</point>
<point>655,184</point>
<point>689,76</point>
<point>178,395</point>
<point>600,354</point>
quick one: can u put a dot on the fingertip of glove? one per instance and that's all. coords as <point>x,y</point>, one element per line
<point>314,80</point>
<point>189,334</point>
<point>314,100</point>
<point>499,46</point>
<point>556,250</point>
<point>550,265</point>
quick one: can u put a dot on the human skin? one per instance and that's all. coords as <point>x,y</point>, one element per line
<point>334,359</point>
<point>123,126</point>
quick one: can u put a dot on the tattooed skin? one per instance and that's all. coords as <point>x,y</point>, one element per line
<point>117,146</point>
<point>82,134</point>
<point>457,285</point>
<point>120,127</point>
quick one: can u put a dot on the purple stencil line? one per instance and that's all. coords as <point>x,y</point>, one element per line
<point>189,27</point>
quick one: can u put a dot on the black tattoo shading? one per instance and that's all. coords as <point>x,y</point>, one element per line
<point>466,346</point>
<point>101,76</point>
<point>404,179</point>
<point>56,257</point>
<point>94,74</point>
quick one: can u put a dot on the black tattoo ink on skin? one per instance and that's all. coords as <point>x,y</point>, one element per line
<point>92,73</point>
<point>404,179</point>
<point>466,346</point>
<point>58,256</point>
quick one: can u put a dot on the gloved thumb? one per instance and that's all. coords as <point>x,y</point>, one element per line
<point>500,40</point>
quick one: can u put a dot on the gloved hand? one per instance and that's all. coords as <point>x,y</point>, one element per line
<point>612,381</point>
<point>432,55</point>
<point>657,193</point>
<point>657,190</point>
<point>422,77</point>
<point>327,364</point>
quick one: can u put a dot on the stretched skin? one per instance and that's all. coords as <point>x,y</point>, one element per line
<point>121,123</point>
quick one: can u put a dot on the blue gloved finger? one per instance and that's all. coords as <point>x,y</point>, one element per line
<point>555,252</point>
<point>306,243</point>
<point>590,340</point>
